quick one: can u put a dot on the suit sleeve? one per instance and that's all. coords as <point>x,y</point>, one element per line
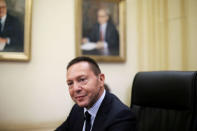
<point>64,126</point>
<point>14,31</point>
<point>16,35</point>
<point>73,121</point>
<point>112,37</point>
<point>94,34</point>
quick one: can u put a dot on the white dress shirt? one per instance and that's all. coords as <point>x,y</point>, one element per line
<point>94,109</point>
<point>103,28</point>
<point>3,22</point>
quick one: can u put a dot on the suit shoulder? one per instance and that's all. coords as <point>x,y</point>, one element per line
<point>118,103</point>
<point>113,106</point>
<point>117,114</point>
<point>13,21</point>
<point>11,18</point>
<point>111,25</point>
<point>76,108</point>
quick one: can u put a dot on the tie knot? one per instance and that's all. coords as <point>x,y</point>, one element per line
<point>87,116</point>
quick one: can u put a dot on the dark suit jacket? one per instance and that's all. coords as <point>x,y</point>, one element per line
<point>112,115</point>
<point>111,36</point>
<point>14,31</point>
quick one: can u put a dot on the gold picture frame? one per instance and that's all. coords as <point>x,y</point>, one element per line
<point>22,11</point>
<point>87,13</point>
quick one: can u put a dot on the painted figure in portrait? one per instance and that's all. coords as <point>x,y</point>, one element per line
<point>100,34</point>
<point>11,30</point>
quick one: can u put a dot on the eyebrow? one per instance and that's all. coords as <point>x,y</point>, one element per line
<point>77,77</point>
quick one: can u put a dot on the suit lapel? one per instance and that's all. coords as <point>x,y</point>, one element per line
<point>80,120</point>
<point>97,32</point>
<point>7,23</point>
<point>102,113</point>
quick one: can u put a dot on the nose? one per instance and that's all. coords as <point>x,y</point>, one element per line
<point>77,87</point>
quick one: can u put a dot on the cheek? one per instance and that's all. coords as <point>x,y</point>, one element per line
<point>71,92</point>
<point>2,10</point>
<point>94,90</point>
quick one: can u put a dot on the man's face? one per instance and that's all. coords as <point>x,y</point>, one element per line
<point>84,86</point>
<point>102,17</point>
<point>3,9</point>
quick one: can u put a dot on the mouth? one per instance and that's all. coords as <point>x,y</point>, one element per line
<point>79,98</point>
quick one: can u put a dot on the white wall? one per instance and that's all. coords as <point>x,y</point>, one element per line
<point>33,95</point>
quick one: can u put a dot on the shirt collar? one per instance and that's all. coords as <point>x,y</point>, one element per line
<point>103,26</point>
<point>3,18</point>
<point>94,109</point>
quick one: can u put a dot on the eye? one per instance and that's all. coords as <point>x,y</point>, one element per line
<point>69,83</point>
<point>82,80</point>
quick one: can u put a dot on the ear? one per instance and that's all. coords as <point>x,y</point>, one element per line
<point>102,79</point>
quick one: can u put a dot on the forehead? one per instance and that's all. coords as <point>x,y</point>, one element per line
<point>2,3</point>
<point>102,12</point>
<point>78,69</point>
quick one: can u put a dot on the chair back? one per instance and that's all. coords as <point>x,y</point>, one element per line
<point>165,100</point>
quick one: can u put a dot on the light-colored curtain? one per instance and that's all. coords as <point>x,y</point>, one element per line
<point>166,39</point>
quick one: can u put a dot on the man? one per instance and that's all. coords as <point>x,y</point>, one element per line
<point>95,108</point>
<point>11,34</point>
<point>104,33</point>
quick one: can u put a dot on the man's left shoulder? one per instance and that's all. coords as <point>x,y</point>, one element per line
<point>11,18</point>
<point>116,103</point>
<point>119,116</point>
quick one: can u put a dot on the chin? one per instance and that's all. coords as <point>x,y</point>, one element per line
<point>80,104</point>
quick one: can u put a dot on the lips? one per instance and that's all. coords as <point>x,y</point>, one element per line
<point>79,98</point>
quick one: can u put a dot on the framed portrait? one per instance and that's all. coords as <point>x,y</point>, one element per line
<point>100,29</point>
<point>15,30</point>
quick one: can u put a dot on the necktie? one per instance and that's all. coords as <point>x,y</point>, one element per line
<point>88,121</point>
<point>101,35</point>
